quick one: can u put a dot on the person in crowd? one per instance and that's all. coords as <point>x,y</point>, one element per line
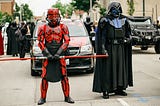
<point>113,74</point>
<point>88,24</point>
<point>12,41</point>
<point>4,35</point>
<point>53,40</point>
<point>1,41</point>
<point>9,41</point>
<point>32,27</point>
<point>22,31</point>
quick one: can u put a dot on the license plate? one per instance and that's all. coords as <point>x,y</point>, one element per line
<point>67,61</point>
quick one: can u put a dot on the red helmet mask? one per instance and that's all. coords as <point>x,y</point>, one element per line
<point>53,16</point>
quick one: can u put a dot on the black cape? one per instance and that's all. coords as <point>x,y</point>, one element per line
<point>12,47</point>
<point>116,70</point>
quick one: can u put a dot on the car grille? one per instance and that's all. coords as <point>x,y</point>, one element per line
<point>73,50</point>
<point>141,33</point>
<point>147,33</point>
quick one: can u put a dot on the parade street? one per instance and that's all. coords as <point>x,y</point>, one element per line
<point>19,88</point>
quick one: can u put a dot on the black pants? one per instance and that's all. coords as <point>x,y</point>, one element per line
<point>22,48</point>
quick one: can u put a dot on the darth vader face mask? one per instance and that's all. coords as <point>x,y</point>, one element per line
<point>114,9</point>
<point>115,12</point>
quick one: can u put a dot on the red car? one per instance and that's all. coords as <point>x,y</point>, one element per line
<point>79,45</point>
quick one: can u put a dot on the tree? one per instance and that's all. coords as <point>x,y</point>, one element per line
<point>65,9</point>
<point>24,11</point>
<point>82,4</point>
<point>16,12</point>
<point>69,9</point>
<point>5,17</point>
<point>131,8</point>
<point>60,6</point>
<point>102,11</point>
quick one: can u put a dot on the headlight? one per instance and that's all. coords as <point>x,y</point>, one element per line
<point>86,49</point>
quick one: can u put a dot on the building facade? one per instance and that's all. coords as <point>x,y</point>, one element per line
<point>7,6</point>
<point>142,7</point>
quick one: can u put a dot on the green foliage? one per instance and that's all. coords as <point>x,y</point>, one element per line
<point>5,17</point>
<point>69,9</point>
<point>25,12</point>
<point>131,8</point>
<point>82,4</point>
<point>65,9</point>
<point>102,11</point>
<point>16,12</point>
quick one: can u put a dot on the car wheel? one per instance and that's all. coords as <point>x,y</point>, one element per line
<point>34,73</point>
<point>157,47</point>
<point>90,71</point>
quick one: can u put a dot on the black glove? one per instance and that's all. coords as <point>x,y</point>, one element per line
<point>50,57</point>
<point>46,53</point>
<point>104,52</point>
<point>56,57</point>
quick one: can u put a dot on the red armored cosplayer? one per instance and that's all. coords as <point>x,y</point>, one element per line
<point>53,41</point>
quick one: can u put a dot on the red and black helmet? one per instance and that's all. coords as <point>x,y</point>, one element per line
<point>53,16</point>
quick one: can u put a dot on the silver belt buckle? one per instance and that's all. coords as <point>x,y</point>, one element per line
<point>115,42</point>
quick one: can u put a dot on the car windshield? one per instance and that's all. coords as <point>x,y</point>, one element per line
<point>76,28</point>
<point>140,21</point>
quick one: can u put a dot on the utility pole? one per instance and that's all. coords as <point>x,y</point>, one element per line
<point>156,13</point>
<point>90,7</point>
<point>90,10</point>
<point>143,7</point>
<point>20,13</point>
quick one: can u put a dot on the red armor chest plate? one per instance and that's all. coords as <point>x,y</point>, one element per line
<point>53,34</point>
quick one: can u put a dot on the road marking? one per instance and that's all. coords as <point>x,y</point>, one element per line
<point>123,102</point>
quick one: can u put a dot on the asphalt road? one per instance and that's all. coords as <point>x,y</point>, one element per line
<point>19,88</point>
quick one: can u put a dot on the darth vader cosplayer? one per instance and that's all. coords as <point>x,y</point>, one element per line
<point>53,41</point>
<point>113,74</point>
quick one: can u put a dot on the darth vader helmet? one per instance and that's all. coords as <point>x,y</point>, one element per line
<point>114,9</point>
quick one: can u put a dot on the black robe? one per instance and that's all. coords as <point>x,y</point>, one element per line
<point>116,70</point>
<point>12,48</point>
<point>9,41</point>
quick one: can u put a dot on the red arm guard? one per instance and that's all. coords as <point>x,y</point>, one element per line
<point>41,34</point>
<point>66,38</point>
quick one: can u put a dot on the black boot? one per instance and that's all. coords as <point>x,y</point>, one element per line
<point>120,92</point>
<point>41,101</point>
<point>105,95</point>
<point>69,100</point>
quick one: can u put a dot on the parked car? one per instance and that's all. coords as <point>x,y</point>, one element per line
<point>144,34</point>
<point>79,45</point>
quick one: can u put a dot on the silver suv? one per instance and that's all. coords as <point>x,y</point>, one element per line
<point>144,34</point>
